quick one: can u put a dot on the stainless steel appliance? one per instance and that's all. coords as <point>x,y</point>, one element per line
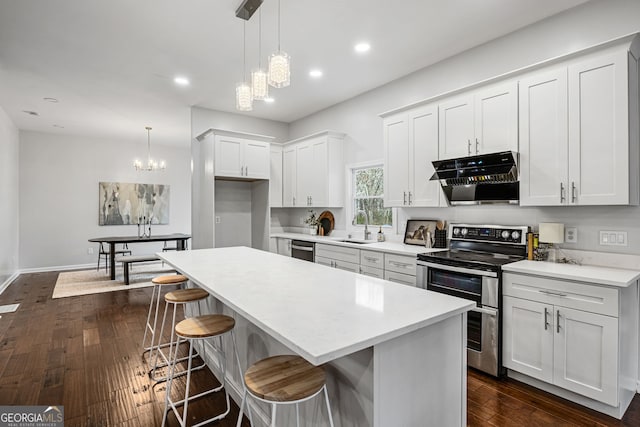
<point>474,180</point>
<point>303,250</point>
<point>471,269</point>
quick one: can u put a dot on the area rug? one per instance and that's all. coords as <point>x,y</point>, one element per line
<point>85,282</point>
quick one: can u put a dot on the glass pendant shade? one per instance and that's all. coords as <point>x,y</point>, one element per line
<point>279,69</point>
<point>259,86</point>
<point>244,101</point>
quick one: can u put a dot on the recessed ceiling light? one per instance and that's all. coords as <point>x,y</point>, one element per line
<point>269,100</point>
<point>31,113</point>
<point>53,100</point>
<point>181,81</point>
<point>315,73</point>
<point>362,47</point>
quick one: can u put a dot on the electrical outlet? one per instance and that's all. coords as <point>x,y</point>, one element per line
<point>217,220</point>
<point>613,238</point>
<point>89,251</point>
<point>571,235</point>
<point>301,220</point>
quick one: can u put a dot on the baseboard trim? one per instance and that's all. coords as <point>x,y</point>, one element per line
<point>10,280</point>
<point>57,268</point>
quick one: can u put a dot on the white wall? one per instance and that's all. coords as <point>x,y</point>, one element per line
<point>586,25</point>
<point>9,205</point>
<point>59,178</point>
<point>203,119</point>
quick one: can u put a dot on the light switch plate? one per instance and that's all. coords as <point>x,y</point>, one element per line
<point>571,235</point>
<point>613,238</point>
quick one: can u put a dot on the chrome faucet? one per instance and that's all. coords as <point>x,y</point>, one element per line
<point>367,233</point>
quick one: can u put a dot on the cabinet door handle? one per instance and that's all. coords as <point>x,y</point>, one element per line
<point>558,321</point>
<point>562,198</point>
<point>404,198</point>
<point>311,200</point>
<point>409,198</point>
<point>246,170</point>
<point>371,259</point>
<point>546,323</point>
<point>555,294</point>
<point>573,192</point>
<point>469,147</point>
<point>399,264</point>
<point>294,200</point>
<point>477,143</point>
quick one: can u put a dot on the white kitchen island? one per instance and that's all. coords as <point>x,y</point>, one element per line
<point>395,355</point>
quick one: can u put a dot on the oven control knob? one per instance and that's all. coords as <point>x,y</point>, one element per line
<point>456,231</point>
<point>515,235</point>
<point>464,231</point>
<point>505,234</point>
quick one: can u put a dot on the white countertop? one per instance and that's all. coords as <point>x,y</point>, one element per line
<point>319,312</point>
<point>388,247</point>
<point>585,273</point>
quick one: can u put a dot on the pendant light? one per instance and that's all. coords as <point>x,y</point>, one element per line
<point>259,86</point>
<point>279,64</point>
<point>244,99</point>
<point>152,165</point>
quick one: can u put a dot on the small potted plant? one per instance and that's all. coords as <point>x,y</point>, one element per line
<point>312,223</point>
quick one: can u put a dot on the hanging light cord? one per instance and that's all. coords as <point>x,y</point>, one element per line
<point>244,51</point>
<point>278,25</point>
<point>260,39</point>
<point>148,145</point>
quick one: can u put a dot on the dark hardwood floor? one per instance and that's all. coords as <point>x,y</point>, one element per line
<point>85,353</point>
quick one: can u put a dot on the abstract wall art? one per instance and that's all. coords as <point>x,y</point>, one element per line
<point>122,203</point>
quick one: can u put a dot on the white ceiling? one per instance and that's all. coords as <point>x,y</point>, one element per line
<point>111,63</point>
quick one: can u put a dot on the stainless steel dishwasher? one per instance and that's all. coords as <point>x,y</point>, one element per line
<point>303,250</point>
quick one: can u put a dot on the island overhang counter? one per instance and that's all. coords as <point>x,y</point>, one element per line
<point>412,341</point>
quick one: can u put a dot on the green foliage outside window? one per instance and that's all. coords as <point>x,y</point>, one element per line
<point>368,189</point>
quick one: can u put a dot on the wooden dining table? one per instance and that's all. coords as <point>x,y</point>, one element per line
<point>179,238</point>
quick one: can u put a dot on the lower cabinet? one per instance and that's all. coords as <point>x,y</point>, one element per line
<point>567,334</point>
<point>392,267</point>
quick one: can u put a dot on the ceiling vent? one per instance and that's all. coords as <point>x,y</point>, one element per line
<point>247,8</point>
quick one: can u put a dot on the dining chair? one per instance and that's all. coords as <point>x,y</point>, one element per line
<point>103,251</point>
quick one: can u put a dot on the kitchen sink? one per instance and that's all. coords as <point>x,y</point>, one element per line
<point>358,241</point>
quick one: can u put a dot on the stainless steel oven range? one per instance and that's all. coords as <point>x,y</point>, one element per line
<point>471,269</point>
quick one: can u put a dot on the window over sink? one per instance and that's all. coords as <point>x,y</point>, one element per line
<point>367,194</point>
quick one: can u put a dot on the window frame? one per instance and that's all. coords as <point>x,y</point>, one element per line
<point>350,192</point>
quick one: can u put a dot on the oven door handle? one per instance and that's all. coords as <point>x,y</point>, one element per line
<point>457,269</point>
<point>488,311</point>
<point>302,248</point>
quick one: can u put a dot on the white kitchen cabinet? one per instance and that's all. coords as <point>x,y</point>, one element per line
<point>410,145</point>
<point>275,177</point>
<point>241,158</point>
<point>289,177</point>
<point>567,333</point>
<point>404,279</point>
<point>283,246</point>
<point>481,121</point>
<point>371,271</point>
<point>313,171</point>
<point>579,132</point>
<point>400,264</point>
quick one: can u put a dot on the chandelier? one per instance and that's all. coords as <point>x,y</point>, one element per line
<point>278,74</point>
<point>151,165</point>
<point>279,64</point>
<point>244,97</point>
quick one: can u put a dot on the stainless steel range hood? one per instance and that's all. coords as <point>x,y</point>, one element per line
<point>474,180</point>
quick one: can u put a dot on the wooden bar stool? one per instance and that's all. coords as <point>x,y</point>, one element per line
<point>158,283</point>
<point>284,380</point>
<point>175,298</point>
<point>192,329</point>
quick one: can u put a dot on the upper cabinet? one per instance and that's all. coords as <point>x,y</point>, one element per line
<point>240,157</point>
<point>275,179</point>
<point>481,121</point>
<point>410,145</point>
<point>313,171</point>
<point>579,132</point>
